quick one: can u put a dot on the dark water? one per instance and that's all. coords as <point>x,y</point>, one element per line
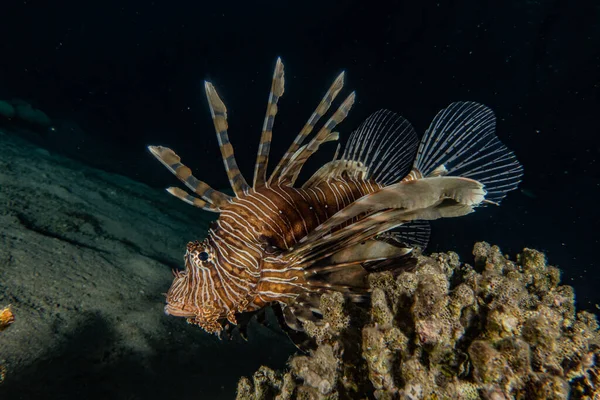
<point>130,73</point>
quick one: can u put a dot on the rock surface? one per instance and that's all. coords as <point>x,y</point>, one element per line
<point>85,257</point>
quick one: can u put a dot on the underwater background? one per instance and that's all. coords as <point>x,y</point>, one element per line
<point>111,77</point>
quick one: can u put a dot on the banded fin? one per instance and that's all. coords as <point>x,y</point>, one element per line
<point>461,141</point>
<point>289,319</point>
<point>218,112</point>
<point>381,149</point>
<point>292,327</point>
<point>387,245</point>
<point>241,326</point>
<point>191,200</point>
<point>323,244</point>
<point>291,171</point>
<point>321,109</point>
<point>172,161</point>
<point>335,169</point>
<point>348,267</point>
<point>333,136</point>
<point>262,157</point>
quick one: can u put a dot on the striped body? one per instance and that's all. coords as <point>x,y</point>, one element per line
<point>243,272</point>
<point>284,214</point>
<point>360,213</point>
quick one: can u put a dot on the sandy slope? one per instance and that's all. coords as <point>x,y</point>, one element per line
<point>84,259</point>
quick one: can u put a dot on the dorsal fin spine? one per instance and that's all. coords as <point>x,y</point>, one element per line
<point>219,116</point>
<point>262,156</point>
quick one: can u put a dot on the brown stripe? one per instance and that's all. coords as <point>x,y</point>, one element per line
<point>290,173</point>
<point>321,109</point>
<point>262,157</point>
<point>219,115</point>
<point>173,163</point>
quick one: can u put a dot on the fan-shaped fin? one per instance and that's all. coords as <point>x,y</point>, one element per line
<point>385,144</point>
<point>219,116</point>
<point>410,234</point>
<point>321,109</point>
<point>353,274</point>
<point>173,163</point>
<point>262,157</point>
<point>381,149</point>
<point>461,142</point>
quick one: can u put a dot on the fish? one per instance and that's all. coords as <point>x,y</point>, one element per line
<point>282,243</point>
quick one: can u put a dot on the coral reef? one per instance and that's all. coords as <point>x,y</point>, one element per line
<point>500,329</point>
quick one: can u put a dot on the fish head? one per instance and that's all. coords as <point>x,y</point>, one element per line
<point>192,294</point>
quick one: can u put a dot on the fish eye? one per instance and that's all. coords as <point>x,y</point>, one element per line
<point>203,256</point>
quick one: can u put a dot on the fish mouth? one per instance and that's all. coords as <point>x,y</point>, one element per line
<point>177,311</point>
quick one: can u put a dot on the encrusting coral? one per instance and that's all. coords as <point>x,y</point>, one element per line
<point>6,319</point>
<point>446,330</point>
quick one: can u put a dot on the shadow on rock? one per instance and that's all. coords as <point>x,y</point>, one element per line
<point>184,364</point>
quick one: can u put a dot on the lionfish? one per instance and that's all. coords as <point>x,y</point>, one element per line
<point>278,243</point>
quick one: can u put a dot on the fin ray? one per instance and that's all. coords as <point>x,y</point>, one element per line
<point>262,157</point>
<point>321,244</point>
<point>191,200</point>
<point>321,109</point>
<point>218,112</point>
<point>172,161</point>
<point>335,169</point>
<point>291,171</point>
<point>386,144</point>
<point>409,196</point>
<point>461,141</point>
<point>414,234</point>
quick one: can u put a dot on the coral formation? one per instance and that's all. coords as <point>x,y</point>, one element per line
<point>500,329</point>
<point>6,319</point>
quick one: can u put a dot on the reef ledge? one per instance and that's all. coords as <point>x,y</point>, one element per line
<point>498,329</point>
